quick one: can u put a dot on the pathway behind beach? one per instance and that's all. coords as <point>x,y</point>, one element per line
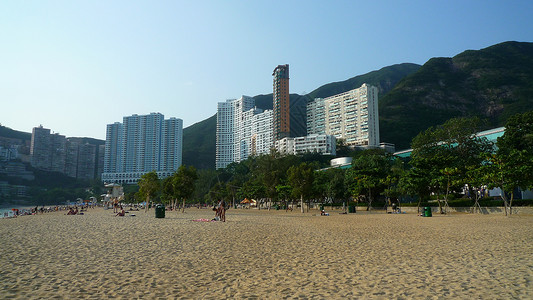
<point>260,254</point>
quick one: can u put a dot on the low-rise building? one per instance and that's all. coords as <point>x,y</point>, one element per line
<point>317,143</point>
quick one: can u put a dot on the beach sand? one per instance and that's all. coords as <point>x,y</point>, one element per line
<point>266,255</point>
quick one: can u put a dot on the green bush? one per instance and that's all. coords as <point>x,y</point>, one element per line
<point>486,202</point>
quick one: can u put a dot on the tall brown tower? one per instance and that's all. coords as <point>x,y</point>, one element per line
<point>281,103</point>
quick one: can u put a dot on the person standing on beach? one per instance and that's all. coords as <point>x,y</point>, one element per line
<point>115,205</point>
<point>222,210</point>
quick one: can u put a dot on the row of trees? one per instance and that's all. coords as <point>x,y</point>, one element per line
<point>447,159</point>
<point>179,186</point>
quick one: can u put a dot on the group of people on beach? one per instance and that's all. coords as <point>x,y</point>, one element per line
<point>73,211</point>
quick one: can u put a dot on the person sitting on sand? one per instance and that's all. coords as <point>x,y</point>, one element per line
<point>70,211</point>
<point>324,213</point>
<point>121,213</point>
<point>217,213</point>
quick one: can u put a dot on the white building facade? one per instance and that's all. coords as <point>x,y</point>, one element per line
<point>316,121</point>
<point>141,144</point>
<point>314,143</point>
<point>351,116</point>
<point>242,130</point>
<point>262,133</point>
<point>229,124</point>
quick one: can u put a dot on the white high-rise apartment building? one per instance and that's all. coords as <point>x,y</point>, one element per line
<point>316,121</point>
<point>242,130</point>
<point>262,130</point>
<point>142,144</point>
<point>351,116</point>
<point>229,122</point>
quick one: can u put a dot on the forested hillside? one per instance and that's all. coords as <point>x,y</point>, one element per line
<point>493,84</point>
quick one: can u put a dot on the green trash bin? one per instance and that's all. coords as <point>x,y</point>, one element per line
<point>427,211</point>
<point>351,209</point>
<point>321,207</point>
<point>160,211</point>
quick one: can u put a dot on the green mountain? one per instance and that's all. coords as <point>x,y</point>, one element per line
<point>199,144</point>
<point>384,79</point>
<point>492,84</point>
<point>7,132</point>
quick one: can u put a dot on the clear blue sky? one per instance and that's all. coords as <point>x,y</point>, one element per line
<point>75,66</point>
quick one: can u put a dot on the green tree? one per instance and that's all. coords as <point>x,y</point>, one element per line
<point>414,182</point>
<point>206,180</point>
<point>341,148</point>
<point>335,188</point>
<point>393,188</point>
<point>512,165</point>
<point>183,183</point>
<point>148,187</point>
<point>320,186</point>
<point>301,179</point>
<point>268,173</point>
<point>167,191</point>
<point>284,192</point>
<point>445,154</point>
<point>367,175</point>
<point>253,189</point>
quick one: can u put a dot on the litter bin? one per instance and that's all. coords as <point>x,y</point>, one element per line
<point>160,211</point>
<point>427,211</point>
<point>351,209</point>
<point>321,207</point>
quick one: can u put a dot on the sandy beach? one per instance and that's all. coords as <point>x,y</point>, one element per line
<point>266,255</point>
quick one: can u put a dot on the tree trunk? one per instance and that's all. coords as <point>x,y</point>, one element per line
<point>505,203</point>
<point>446,196</point>
<point>369,207</point>
<point>302,203</point>
<point>511,204</point>
<point>147,204</point>
<point>183,207</point>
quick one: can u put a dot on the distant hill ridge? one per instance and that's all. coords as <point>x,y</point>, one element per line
<point>492,83</point>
